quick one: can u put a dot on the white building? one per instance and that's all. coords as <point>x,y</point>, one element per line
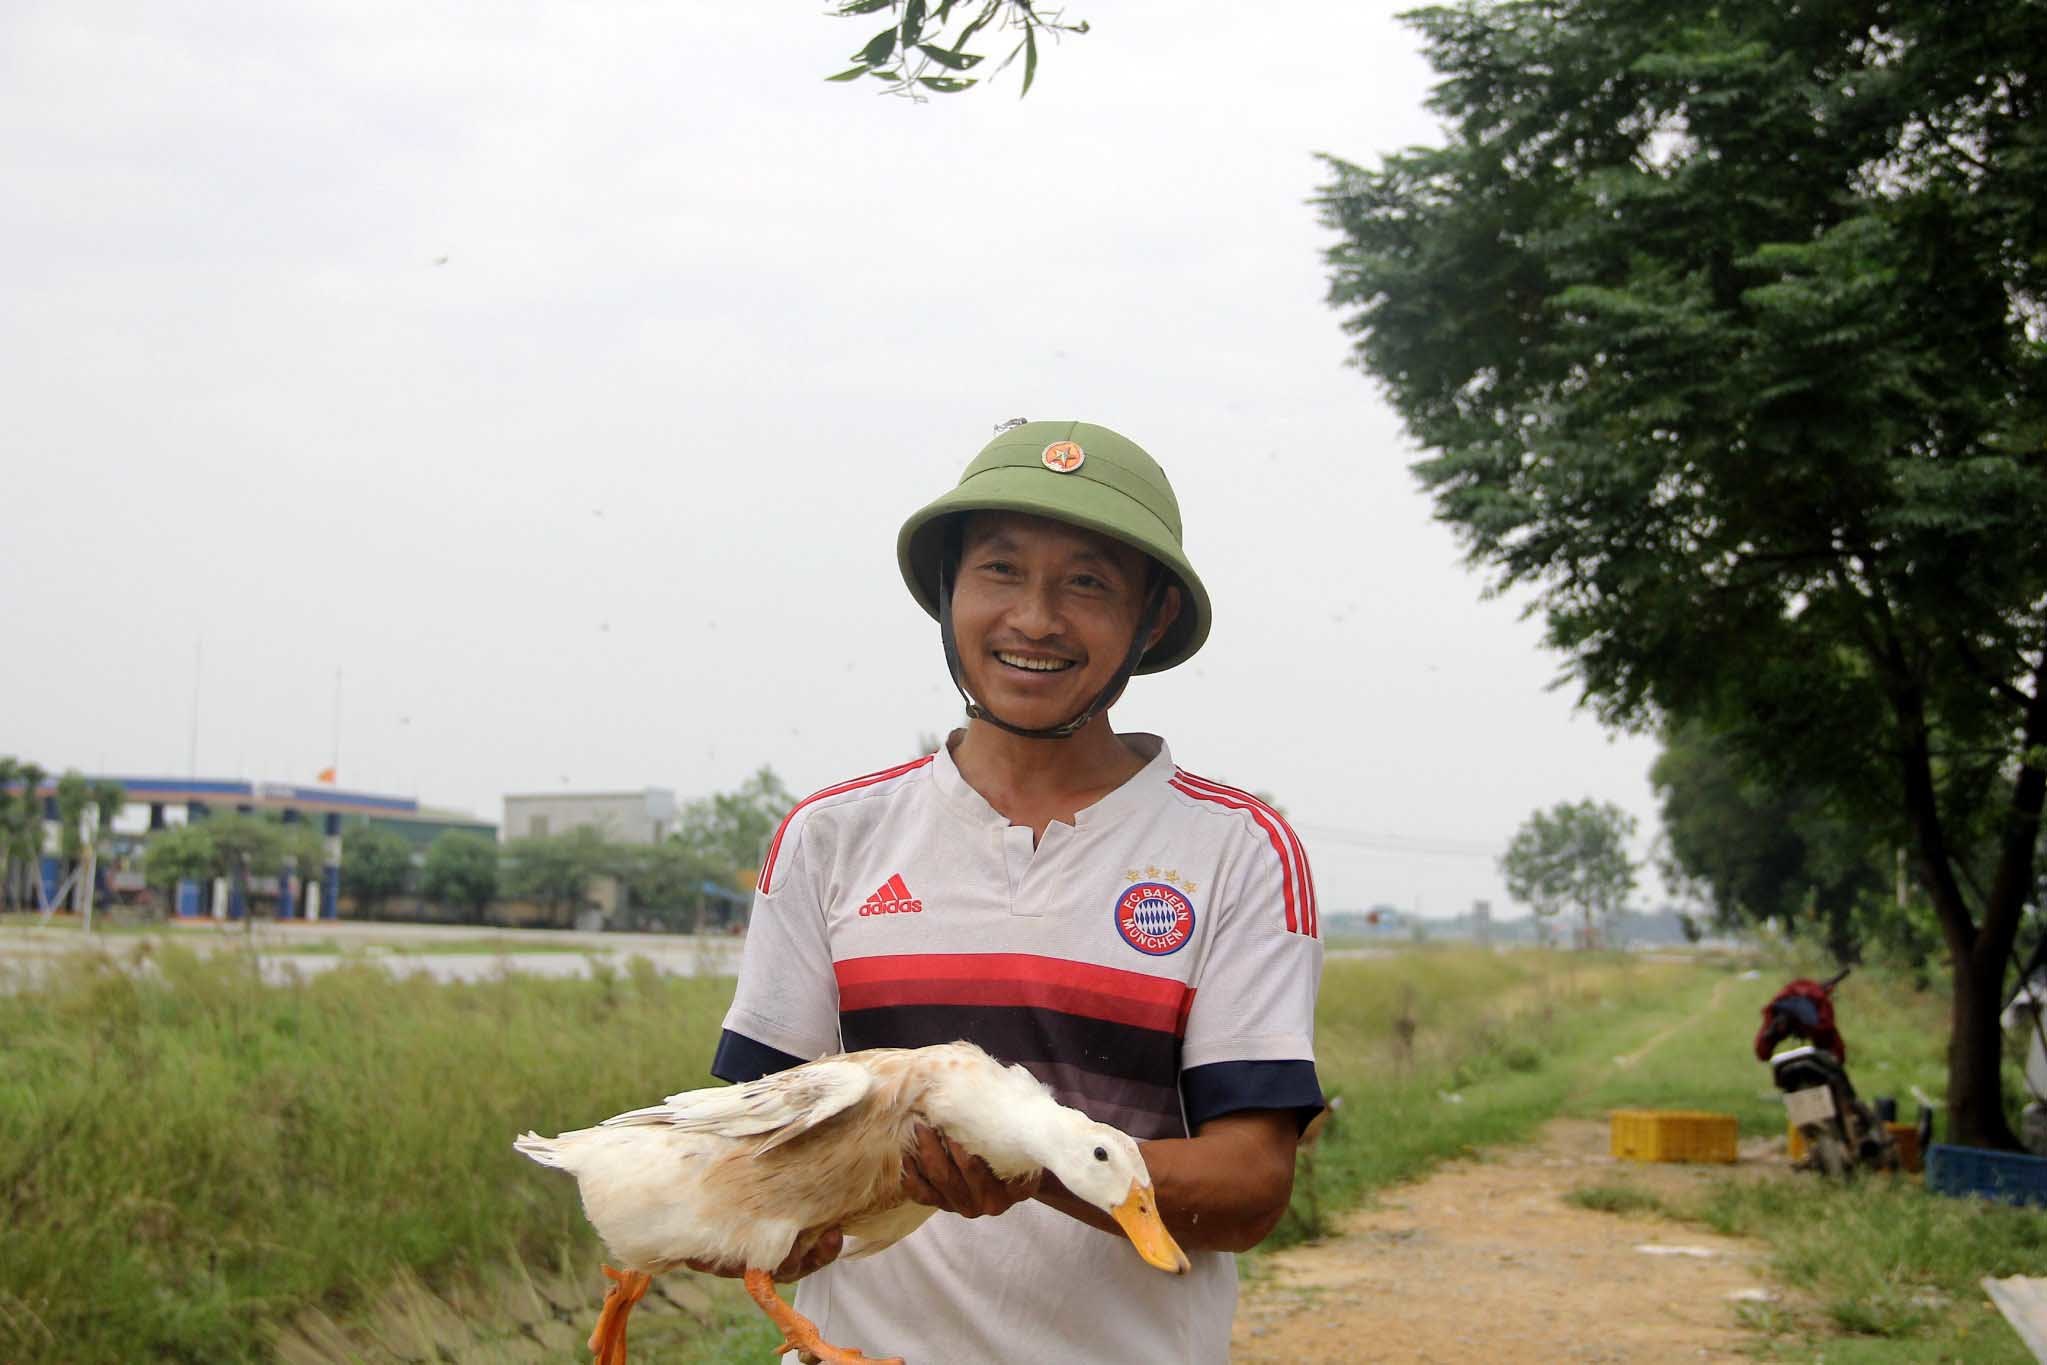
<point>641,817</point>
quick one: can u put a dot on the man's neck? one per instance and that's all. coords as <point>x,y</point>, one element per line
<point>1035,780</point>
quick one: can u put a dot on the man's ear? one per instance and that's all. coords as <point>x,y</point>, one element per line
<point>1169,612</point>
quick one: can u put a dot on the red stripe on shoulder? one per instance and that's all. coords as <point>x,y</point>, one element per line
<point>1311,907</point>
<point>1295,880</point>
<point>766,878</point>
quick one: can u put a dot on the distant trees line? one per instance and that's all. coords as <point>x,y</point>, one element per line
<point>1744,847</point>
<point>710,857</point>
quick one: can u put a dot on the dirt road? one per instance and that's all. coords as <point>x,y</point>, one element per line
<point>1486,1260</point>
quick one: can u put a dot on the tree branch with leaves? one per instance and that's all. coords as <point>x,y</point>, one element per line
<point>925,46</point>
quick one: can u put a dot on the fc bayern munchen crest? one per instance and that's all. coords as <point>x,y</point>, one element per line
<point>1155,918</point>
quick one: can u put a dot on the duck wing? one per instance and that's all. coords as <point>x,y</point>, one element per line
<point>783,1106</point>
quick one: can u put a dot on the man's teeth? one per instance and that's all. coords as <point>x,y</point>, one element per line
<point>1035,665</point>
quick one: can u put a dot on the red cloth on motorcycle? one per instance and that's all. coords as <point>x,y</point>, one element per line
<point>1812,1019</point>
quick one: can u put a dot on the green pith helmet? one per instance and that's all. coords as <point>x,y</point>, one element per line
<point>1081,474</point>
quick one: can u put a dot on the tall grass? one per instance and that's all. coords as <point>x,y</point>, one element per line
<point>187,1155</point>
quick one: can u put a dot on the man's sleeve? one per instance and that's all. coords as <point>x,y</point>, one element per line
<point>786,1008</point>
<point>1250,1040</point>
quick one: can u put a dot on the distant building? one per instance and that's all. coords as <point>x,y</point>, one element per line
<point>336,811</point>
<point>642,817</point>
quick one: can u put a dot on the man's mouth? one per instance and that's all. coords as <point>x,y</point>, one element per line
<point>1034,663</point>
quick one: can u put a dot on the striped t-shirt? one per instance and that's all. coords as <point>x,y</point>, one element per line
<point>1155,963</point>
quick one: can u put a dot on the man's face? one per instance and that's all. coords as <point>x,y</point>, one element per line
<point>1044,613</point>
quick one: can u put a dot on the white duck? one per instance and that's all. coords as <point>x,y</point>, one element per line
<point>736,1174</point>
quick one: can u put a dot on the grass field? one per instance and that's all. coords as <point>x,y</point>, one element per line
<point>189,1158</point>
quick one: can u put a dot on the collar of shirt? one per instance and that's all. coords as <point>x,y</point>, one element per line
<point>1133,794</point>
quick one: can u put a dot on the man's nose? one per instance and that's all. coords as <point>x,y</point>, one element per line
<point>1036,610</point>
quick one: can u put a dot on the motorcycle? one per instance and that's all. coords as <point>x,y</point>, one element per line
<point>1842,1133</point>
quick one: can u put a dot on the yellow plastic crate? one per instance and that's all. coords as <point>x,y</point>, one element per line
<point>1673,1135</point>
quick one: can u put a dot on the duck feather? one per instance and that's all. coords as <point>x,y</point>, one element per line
<point>784,1106</point>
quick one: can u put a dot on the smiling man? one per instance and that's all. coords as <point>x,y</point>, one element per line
<point>1142,939</point>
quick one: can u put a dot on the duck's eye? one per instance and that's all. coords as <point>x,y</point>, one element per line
<point>1101,1154</point>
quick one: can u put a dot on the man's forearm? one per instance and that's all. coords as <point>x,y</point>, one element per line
<point>1224,1189</point>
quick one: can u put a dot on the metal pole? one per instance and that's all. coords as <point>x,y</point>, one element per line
<point>192,747</point>
<point>88,825</point>
<point>330,875</point>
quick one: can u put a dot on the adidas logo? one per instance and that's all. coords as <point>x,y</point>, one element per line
<point>893,898</point>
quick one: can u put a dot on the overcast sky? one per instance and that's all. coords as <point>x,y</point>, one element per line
<point>560,373</point>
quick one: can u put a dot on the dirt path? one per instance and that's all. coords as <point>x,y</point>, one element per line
<point>1485,1260</point>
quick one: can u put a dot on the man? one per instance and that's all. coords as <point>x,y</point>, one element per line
<point>1142,939</point>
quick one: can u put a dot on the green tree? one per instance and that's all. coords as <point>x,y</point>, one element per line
<point>17,820</point>
<point>728,832</point>
<point>247,842</point>
<point>78,797</point>
<point>375,866</point>
<point>462,870</point>
<point>1724,331</point>
<point>108,800</point>
<point>1759,853</point>
<point>246,846</point>
<point>180,854</point>
<point>1573,857</point>
<point>665,882</point>
<point>924,47</point>
<point>74,796</point>
<point>556,870</point>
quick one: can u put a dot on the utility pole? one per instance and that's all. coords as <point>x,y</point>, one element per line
<point>336,765</point>
<point>192,748</point>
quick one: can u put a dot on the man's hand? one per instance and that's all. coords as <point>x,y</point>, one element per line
<point>813,1251</point>
<point>941,1173</point>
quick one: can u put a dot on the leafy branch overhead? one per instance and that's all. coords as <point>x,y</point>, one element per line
<point>925,47</point>
<point>1724,330</point>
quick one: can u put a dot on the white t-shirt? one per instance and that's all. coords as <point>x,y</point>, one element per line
<point>1155,963</point>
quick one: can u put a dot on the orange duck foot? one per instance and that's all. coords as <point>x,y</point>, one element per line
<point>799,1333</point>
<point>607,1342</point>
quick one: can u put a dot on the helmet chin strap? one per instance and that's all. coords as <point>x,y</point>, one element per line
<point>1104,699</point>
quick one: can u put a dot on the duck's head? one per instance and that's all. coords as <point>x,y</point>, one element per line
<point>1103,1166</point>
